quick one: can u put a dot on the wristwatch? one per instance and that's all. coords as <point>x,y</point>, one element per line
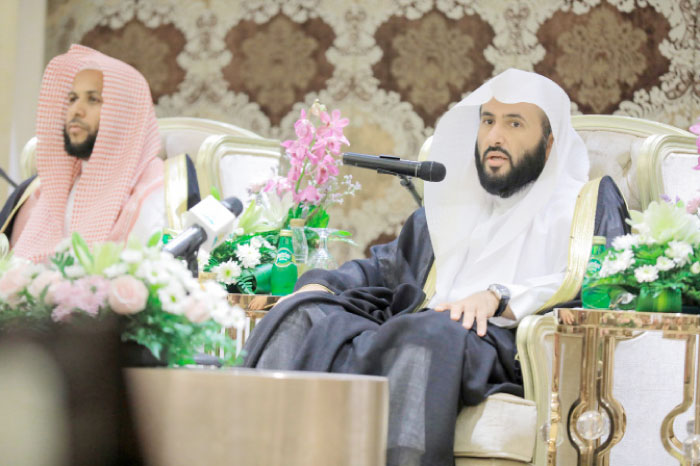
<point>502,294</point>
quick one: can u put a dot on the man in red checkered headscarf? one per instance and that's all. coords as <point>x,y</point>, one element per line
<point>96,156</point>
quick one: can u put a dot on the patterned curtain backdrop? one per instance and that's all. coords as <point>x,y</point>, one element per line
<point>391,66</point>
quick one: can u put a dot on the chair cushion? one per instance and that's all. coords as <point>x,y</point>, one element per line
<point>503,426</point>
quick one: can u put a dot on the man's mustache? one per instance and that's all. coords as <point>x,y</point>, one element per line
<point>497,149</point>
<point>78,122</point>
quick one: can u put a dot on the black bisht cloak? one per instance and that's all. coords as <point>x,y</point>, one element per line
<point>374,325</point>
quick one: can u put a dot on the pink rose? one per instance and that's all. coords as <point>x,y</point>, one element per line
<point>13,282</point>
<point>46,279</point>
<point>196,311</point>
<point>127,295</point>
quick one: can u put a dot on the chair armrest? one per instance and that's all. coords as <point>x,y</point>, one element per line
<point>534,340</point>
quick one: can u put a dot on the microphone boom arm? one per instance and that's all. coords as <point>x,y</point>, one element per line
<point>407,183</point>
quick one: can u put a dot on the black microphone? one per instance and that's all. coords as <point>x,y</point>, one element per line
<point>206,220</point>
<point>234,205</point>
<point>427,171</point>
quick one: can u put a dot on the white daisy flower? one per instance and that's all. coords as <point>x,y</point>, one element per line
<point>214,290</point>
<point>248,254</point>
<point>64,245</point>
<point>131,256</point>
<point>663,263</point>
<point>227,272</point>
<point>172,297</point>
<point>646,273</point>
<point>229,316</point>
<point>625,241</point>
<point>74,271</point>
<point>679,252</point>
<point>626,259</point>
<point>153,273</point>
<point>256,242</point>
<point>115,270</point>
<point>695,268</point>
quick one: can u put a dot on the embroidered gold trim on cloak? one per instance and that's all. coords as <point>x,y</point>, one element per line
<point>580,241</point>
<point>33,186</point>
<point>176,190</point>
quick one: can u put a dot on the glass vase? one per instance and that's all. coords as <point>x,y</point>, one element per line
<point>663,300</point>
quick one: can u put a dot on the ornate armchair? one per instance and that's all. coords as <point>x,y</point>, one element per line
<point>231,163</point>
<point>646,159</point>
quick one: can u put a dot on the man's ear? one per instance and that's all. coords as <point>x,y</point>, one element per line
<point>550,142</point>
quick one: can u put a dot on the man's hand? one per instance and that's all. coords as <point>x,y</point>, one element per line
<point>309,287</point>
<point>479,306</point>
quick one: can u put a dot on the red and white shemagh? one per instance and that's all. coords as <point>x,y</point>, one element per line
<point>122,170</point>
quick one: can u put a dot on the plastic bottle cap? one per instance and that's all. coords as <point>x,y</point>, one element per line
<point>297,222</point>
<point>600,240</point>
<point>285,232</point>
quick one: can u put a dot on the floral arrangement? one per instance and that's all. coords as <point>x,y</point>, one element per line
<point>661,253</point>
<point>163,308</point>
<point>243,263</point>
<point>314,157</point>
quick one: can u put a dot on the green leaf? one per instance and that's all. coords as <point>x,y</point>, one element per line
<point>318,219</point>
<point>155,239</point>
<point>105,255</point>
<point>82,252</point>
<point>215,192</point>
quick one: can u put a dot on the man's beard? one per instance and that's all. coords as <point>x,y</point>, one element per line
<point>519,176</point>
<point>82,150</point>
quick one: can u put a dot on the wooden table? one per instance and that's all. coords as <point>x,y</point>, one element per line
<point>256,417</point>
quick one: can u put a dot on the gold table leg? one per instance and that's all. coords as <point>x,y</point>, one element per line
<point>595,394</point>
<point>668,438</point>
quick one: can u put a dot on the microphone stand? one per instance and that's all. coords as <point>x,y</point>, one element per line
<point>7,178</point>
<point>407,183</point>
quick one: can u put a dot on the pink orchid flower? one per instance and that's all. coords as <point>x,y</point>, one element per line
<point>693,206</point>
<point>334,123</point>
<point>308,194</point>
<point>304,129</point>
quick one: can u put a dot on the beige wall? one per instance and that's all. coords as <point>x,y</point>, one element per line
<point>8,52</point>
<point>22,26</point>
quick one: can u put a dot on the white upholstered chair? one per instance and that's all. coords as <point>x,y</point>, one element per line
<point>231,163</point>
<point>646,159</point>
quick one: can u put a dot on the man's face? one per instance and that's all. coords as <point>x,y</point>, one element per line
<point>511,146</point>
<point>83,115</point>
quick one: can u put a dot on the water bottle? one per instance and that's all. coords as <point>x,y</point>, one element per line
<point>284,270</point>
<point>595,297</point>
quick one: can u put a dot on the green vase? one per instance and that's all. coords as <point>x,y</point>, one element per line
<point>664,300</point>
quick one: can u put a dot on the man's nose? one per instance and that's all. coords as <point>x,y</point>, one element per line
<point>76,109</point>
<point>495,136</point>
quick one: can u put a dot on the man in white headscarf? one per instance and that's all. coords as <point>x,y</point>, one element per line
<point>490,246</point>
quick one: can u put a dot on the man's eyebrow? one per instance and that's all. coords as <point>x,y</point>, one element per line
<point>507,115</point>
<point>95,92</point>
